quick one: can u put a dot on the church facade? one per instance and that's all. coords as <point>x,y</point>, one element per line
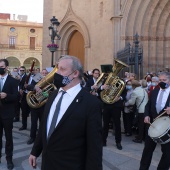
<point>95,30</point>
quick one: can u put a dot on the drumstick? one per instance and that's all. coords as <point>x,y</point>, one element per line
<point>151,124</point>
<point>160,115</point>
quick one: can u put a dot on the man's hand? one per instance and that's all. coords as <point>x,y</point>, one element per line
<point>147,119</point>
<point>93,93</point>
<point>117,98</point>
<point>2,95</point>
<point>21,92</point>
<point>167,110</point>
<point>25,85</point>
<point>32,161</point>
<point>37,89</point>
<point>94,87</point>
<point>105,87</point>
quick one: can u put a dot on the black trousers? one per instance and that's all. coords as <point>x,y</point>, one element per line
<point>141,126</point>
<point>25,110</point>
<point>127,121</point>
<point>149,148</point>
<point>36,114</point>
<point>7,126</point>
<point>17,107</point>
<point>115,113</point>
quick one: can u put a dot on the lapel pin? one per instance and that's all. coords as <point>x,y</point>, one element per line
<point>77,100</point>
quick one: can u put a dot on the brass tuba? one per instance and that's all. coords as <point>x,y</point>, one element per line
<point>46,84</point>
<point>116,85</point>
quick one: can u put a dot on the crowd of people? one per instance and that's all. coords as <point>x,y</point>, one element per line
<point>75,122</point>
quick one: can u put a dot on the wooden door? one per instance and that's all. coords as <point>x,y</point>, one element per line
<point>76,46</point>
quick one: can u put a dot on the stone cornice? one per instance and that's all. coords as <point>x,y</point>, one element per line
<point>20,23</point>
<point>147,38</point>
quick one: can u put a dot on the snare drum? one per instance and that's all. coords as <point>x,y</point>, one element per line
<point>159,130</point>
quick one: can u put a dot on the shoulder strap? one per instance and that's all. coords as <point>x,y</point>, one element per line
<point>142,99</point>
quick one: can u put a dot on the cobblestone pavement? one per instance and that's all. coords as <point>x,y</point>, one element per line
<point>113,159</point>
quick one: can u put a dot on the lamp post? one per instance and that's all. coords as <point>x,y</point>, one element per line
<point>54,37</point>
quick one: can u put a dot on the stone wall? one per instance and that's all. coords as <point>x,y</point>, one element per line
<point>92,19</point>
<point>108,25</point>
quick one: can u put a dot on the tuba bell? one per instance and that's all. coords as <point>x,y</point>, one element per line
<point>36,100</point>
<point>116,85</point>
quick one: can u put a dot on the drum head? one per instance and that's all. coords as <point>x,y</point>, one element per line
<point>159,126</point>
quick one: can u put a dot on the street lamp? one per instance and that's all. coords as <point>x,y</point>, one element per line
<point>53,33</point>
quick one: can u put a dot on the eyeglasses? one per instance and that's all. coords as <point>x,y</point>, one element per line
<point>22,70</point>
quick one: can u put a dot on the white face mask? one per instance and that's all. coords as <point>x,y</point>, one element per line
<point>128,87</point>
<point>153,84</point>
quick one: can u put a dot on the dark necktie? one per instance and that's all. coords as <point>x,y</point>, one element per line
<point>158,106</point>
<point>55,116</point>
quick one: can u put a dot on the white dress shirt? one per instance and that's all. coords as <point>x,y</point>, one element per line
<point>68,97</point>
<point>165,97</point>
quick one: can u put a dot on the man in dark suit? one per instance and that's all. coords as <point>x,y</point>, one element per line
<point>36,113</point>
<point>76,141</point>
<point>158,102</point>
<point>90,84</point>
<point>8,96</point>
<point>21,78</point>
<point>113,111</point>
<point>27,79</point>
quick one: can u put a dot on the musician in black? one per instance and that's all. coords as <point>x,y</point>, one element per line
<point>26,80</point>
<point>158,102</point>
<point>8,96</point>
<point>113,111</point>
<point>36,113</point>
<point>21,79</point>
<point>90,84</point>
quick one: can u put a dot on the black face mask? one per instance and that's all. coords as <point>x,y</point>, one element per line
<point>61,81</point>
<point>163,85</point>
<point>2,71</point>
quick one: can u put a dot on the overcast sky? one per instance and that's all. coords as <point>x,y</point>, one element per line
<point>32,8</point>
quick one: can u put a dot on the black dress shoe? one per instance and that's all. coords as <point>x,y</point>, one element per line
<point>119,146</point>
<point>22,128</point>
<point>137,141</point>
<point>128,134</point>
<point>16,120</point>
<point>30,141</point>
<point>10,164</point>
<point>104,143</point>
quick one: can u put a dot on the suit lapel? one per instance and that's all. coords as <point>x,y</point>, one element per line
<point>72,106</point>
<point>6,83</point>
<point>167,103</point>
<point>155,95</point>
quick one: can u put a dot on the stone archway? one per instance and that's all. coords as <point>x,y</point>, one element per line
<point>68,26</point>
<point>13,62</point>
<point>151,20</point>
<point>28,62</point>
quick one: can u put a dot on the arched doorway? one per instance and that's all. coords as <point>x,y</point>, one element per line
<point>28,62</point>
<point>76,46</point>
<point>13,62</point>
